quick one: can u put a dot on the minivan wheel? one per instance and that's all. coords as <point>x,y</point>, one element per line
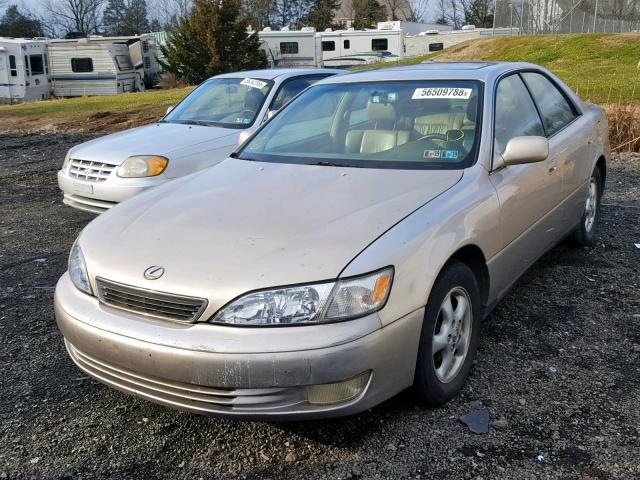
<point>449,336</point>
<point>585,233</point>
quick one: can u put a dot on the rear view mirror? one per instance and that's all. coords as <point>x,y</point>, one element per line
<point>232,89</point>
<point>521,150</point>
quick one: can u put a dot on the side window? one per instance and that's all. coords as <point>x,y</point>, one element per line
<point>288,90</point>
<point>347,44</point>
<point>12,66</point>
<point>378,44</point>
<point>555,109</point>
<point>329,46</point>
<point>516,114</point>
<point>37,65</point>
<point>288,47</point>
<point>82,65</point>
<point>26,66</point>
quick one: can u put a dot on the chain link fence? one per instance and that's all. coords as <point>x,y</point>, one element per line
<point>532,17</point>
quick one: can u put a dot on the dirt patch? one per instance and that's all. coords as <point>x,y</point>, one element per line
<point>576,310</point>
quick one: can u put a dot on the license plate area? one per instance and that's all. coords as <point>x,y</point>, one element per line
<point>82,188</point>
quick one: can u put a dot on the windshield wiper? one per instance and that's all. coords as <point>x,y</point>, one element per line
<point>194,122</point>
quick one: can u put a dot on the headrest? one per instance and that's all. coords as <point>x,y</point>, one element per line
<point>378,112</point>
<point>472,109</point>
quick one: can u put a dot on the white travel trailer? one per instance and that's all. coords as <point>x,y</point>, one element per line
<point>143,49</point>
<point>23,70</point>
<point>86,67</point>
<point>291,48</point>
<point>344,48</point>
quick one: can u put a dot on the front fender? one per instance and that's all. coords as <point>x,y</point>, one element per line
<point>421,244</point>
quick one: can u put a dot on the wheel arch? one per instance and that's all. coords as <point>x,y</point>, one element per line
<point>473,257</point>
<point>601,165</point>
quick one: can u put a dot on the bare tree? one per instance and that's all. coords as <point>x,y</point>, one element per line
<point>419,10</point>
<point>66,16</point>
<point>169,12</point>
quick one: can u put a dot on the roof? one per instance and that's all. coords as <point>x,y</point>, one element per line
<point>483,71</point>
<point>22,40</point>
<point>271,73</point>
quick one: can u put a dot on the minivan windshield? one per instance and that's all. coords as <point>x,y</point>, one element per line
<point>225,102</point>
<point>399,124</point>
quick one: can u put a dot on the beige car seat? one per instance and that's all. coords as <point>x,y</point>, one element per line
<point>383,136</point>
<point>440,119</point>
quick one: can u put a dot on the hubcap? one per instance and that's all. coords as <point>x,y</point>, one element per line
<point>452,333</point>
<point>591,205</point>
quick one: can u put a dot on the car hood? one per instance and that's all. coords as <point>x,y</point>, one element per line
<point>242,226</point>
<point>167,139</point>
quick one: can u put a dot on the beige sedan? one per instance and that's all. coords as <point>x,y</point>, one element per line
<point>347,251</point>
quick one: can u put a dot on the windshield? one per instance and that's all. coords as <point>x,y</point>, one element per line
<point>400,124</point>
<point>224,102</point>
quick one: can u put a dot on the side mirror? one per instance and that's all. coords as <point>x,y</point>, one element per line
<point>521,150</point>
<point>169,108</point>
<point>244,136</point>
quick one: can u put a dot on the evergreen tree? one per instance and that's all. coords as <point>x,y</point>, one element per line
<point>16,24</point>
<point>212,39</point>
<point>367,13</point>
<point>321,16</point>
<point>136,21</point>
<point>113,18</point>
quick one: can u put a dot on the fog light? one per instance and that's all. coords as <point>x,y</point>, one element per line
<point>337,392</point>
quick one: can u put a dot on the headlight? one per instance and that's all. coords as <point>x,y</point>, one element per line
<point>310,304</point>
<point>143,166</point>
<point>67,159</point>
<point>78,269</point>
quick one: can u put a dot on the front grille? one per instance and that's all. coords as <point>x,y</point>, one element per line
<point>149,302</point>
<point>90,171</point>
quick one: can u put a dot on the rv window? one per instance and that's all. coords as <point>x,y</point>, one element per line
<point>124,62</point>
<point>82,65</point>
<point>378,44</point>
<point>347,44</point>
<point>328,46</point>
<point>46,65</point>
<point>145,46</point>
<point>12,65</point>
<point>37,66</point>
<point>435,47</point>
<point>26,65</point>
<point>288,47</point>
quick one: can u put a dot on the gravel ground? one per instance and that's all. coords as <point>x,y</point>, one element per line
<point>557,369</point>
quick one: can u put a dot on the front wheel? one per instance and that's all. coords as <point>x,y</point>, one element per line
<point>449,337</point>
<point>585,233</point>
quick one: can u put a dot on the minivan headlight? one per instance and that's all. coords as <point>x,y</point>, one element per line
<point>143,166</point>
<point>324,302</point>
<point>78,269</point>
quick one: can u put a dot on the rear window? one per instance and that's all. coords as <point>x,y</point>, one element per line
<point>82,65</point>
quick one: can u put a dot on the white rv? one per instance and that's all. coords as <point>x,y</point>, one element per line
<point>23,70</point>
<point>345,48</point>
<point>86,67</point>
<point>291,48</point>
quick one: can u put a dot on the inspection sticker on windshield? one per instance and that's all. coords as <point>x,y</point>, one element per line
<point>442,92</point>
<point>252,82</point>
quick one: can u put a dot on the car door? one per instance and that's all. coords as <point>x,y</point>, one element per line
<point>570,143</point>
<point>528,194</point>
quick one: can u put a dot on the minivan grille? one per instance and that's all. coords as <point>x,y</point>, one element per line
<point>90,171</point>
<point>149,302</point>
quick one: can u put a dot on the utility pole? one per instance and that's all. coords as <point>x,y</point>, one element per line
<point>521,17</point>
<point>495,12</point>
<point>595,16</point>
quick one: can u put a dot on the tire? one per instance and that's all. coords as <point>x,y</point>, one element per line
<point>585,233</point>
<point>434,385</point>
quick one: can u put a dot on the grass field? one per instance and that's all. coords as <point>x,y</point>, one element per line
<point>602,68</point>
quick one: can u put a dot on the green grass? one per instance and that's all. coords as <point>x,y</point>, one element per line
<point>602,68</point>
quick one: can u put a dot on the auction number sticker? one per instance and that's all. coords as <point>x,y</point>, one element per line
<point>252,82</point>
<point>442,92</point>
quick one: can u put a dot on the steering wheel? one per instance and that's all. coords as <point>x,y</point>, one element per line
<point>434,136</point>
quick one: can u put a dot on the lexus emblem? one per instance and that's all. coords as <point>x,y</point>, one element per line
<point>153,273</point>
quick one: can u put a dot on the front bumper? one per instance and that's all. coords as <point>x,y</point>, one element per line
<point>213,379</point>
<point>97,197</point>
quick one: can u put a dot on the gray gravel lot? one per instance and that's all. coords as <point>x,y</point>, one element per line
<point>558,370</point>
